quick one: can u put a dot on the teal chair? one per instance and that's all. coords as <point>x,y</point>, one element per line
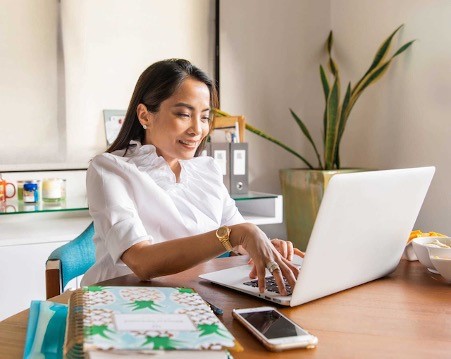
<point>69,261</point>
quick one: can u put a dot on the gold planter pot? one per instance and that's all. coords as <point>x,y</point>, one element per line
<point>302,191</point>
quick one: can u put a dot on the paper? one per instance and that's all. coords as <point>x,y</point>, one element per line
<point>153,322</point>
<point>113,126</point>
<point>239,162</point>
<point>221,158</point>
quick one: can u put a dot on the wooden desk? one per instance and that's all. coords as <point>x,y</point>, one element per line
<point>404,315</point>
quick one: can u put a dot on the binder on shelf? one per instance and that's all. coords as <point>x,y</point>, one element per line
<point>239,174</point>
<point>220,151</point>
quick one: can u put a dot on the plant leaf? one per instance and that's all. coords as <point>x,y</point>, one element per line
<point>330,42</point>
<point>332,123</point>
<point>277,142</point>
<point>334,70</point>
<point>343,118</point>
<point>383,50</point>
<point>332,65</point>
<point>260,133</point>
<point>379,57</point>
<point>324,81</point>
<point>342,124</point>
<point>217,111</point>
<point>306,132</point>
<point>326,90</point>
<point>403,48</point>
<point>325,123</point>
<point>375,75</point>
<point>337,156</point>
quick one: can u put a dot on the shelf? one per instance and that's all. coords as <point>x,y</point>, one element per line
<point>43,167</point>
<point>80,203</point>
<point>252,195</point>
<point>260,208</point>
<point>256,207</point>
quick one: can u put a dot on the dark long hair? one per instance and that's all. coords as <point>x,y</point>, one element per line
<point>156,84</point>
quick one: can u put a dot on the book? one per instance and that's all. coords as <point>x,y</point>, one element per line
<point>174,322</point>
<point>45,330</point>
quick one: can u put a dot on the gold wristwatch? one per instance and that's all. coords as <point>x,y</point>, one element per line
<point>223,234</point>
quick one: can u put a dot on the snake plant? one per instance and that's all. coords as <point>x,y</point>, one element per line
<point>336,114</point>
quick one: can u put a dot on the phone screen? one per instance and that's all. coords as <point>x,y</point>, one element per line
<point>272,325</point>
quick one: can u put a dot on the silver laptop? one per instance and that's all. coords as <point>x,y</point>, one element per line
<point>359,235</point>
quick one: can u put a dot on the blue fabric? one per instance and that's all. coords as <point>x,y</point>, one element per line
<point>45,331</point>
<point>77,256</point>
<point>223,255</point>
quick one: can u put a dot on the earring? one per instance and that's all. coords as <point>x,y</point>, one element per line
<point>145,127</point>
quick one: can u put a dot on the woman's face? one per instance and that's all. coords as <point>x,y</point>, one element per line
<point>181,123</point>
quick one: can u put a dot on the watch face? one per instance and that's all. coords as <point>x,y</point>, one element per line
<point>223,232</point>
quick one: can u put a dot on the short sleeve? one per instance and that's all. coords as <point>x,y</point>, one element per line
<point>231,215</point>
<point>112,206</point>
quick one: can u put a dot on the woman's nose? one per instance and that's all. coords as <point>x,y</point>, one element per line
<point>196,126</point>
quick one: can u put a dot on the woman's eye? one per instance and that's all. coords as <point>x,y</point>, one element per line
<point>185,115</point>
<point>205,119</point>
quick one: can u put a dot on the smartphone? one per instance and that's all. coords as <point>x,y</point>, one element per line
<point>273,329</point>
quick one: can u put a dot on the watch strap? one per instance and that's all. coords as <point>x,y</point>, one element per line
<point>224,238</point>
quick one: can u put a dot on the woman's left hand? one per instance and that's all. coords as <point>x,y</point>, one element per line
<point>285,248</point>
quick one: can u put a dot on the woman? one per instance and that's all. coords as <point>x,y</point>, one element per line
<point>157,207</point>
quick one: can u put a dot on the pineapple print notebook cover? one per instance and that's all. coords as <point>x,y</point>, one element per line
<point>142,319</point>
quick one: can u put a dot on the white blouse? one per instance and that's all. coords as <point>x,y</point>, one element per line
<point>135,198</point>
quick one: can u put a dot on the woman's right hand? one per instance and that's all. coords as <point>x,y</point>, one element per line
<point>263,253</point>
<point>285,248</point>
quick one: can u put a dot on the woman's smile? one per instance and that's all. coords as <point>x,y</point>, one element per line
<point>190,143</point>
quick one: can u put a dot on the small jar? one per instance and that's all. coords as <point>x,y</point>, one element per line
<point>29,207</point>
<point>30,192</point>
<point>53,189</point>
<point>20,190</point>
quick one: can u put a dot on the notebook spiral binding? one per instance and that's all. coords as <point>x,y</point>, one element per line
<point>73,341</point>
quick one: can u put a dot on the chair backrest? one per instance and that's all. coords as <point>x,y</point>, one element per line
<point>69,261</point>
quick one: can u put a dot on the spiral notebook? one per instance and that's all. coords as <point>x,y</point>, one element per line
<point>105,322</point>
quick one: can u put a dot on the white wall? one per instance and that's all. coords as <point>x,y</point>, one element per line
<point>270,53</point>
<point>28,80</point>
<point>404,120</point>
<point>109,43</point>
<point>106,44</point>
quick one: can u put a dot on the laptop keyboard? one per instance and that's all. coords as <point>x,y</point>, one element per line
<point>271,285</point>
